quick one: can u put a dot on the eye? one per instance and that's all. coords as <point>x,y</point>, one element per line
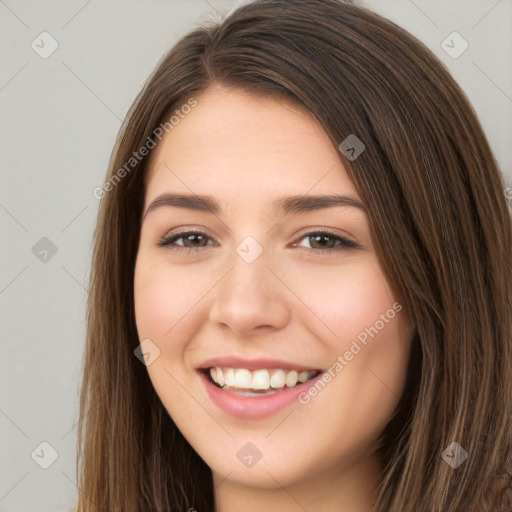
<point>187,236</point>
<point>317,238</point>
<point>200,238</point>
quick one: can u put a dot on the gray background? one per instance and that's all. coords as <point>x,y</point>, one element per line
<point>59,118</point>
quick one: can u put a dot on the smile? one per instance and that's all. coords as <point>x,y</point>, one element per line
<point>259,381</point>
<point>256,393</point>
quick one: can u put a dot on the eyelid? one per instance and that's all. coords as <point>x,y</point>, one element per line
<point>345,243</point>
<point>330,231</point>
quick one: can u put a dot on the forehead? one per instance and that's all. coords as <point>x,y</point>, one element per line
<point>249,147</point>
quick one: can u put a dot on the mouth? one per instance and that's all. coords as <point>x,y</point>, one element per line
<point>257,382</point>
<point>255,389</point>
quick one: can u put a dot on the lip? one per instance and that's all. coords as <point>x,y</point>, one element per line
<point>252,364</point>
<point>253,408</point>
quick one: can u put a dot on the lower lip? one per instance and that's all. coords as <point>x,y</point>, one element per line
<point>254,407</point>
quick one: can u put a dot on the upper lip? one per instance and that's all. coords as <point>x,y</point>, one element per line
<point>252,364</point>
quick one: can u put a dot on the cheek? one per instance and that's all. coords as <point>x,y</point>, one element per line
<point>163,295</point>
<point>347,299</point>
<point>153,299</point>
<point>366,327</point>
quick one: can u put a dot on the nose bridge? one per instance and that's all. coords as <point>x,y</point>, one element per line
<point>249,267</point>
<point>250,296</point>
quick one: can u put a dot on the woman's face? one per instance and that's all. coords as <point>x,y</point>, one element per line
<point>258,294</point>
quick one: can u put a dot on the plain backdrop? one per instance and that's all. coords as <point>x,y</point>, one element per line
<point>59,119</point>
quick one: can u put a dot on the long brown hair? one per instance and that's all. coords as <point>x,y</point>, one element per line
<point>441,228</point>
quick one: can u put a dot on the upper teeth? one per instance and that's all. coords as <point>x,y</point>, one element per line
<point>258,379</point>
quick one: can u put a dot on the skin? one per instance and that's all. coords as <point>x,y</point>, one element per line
<point>291,303</point>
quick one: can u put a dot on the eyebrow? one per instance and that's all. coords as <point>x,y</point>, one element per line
<point>284,205</point>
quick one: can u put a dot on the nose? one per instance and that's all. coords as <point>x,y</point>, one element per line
<point>250,298</point>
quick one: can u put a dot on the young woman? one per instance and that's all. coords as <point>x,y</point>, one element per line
<point>300,294</point>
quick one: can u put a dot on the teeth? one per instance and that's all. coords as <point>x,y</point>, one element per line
<point>243,379</point>
<point>261,379</point>
<point>291,378</point>
<point>303,376</point>
<point>278,379</point>
<point>229,376</point>
<point>218,377</point>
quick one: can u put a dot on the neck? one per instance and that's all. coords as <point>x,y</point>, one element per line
<point>332,490</point>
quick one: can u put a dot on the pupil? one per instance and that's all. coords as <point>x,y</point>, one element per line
<point>190,238</point>
<point>317,237</point>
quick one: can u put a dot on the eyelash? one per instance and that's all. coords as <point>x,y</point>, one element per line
<point>345,243</point>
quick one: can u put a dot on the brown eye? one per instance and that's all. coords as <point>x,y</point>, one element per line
<point>321,241</point>
<point>324,241</point>
<point>189,237</point>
